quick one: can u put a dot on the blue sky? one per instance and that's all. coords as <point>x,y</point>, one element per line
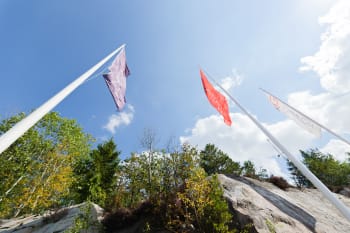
<point>45,45</point>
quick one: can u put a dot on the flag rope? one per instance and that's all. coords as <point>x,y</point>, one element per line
<point>104,70</point>
<point>302,168</point>
<point>95,76</point>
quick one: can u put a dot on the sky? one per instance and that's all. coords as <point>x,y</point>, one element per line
<point>298,50</point>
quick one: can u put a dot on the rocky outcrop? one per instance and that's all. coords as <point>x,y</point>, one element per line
<point>55,221</point>
<point>257,207</point>
<point>271,209</point>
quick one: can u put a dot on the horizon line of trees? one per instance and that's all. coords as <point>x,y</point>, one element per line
<point>52,166</point>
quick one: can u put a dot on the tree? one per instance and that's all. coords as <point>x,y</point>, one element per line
<point>133,182</point>
<point>148,142</point>
<point>331,172</point>
<point>35,171</point>
<point>249,169</point>
<point>204,209</point>
<point>95,175</point>
<point>299,179</point>
<point>215,161</point>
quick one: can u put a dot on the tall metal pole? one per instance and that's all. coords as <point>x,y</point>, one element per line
<point>303,169</point>
<point>21,127</point>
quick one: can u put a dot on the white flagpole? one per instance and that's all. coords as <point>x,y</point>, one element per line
<point>315,122</point>
<point>21,127</point>
<point>304,170</point>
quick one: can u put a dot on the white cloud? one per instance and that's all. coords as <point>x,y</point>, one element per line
<point>332,64</point>
<point>231,81</point>
<point>123,118</point>
<point>337,148</point>
<point>244,141</point>
<point>330,110</point>
<point>332,61</point>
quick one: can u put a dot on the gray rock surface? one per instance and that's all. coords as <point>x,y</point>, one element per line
<point>268,208</point>
<point>271,209</point>
<point>52,222</point>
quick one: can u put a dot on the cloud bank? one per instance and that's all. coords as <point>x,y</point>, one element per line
<point>332,61</point>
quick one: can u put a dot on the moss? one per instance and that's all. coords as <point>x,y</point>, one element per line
<point>270,226</point>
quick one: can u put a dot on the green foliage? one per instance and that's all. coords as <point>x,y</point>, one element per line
<point>249,169</point>
<point>133,181</point>
<point>35,171</point>
<point>215,161</point>
<point>330,171</point>
<point>83,221</point>
<point>168,173</point>
<point>270,225</point>
<point>203,205</point>
<point>52,165</point>
<point>217,215</point>
<point>95,174</point>
<point>299,179</point>
<point>333,173</point>
<point>182,198</point>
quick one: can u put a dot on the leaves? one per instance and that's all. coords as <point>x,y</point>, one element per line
<point>95,174</point>
<point>333,173</point>
<point>215,161</point>
<point>43,157</point>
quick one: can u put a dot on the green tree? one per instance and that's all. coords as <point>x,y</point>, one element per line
<point>249,169</point>
<point>148,141</point>
<point>35,171</point>
<point>331,172</point>
<point>299,179</point>
<point>215,161</point>
<point>204,208</point>
<point>95,175</point>
<point>133,182</point>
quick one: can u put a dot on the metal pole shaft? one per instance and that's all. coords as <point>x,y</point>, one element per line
<point>21,127</point>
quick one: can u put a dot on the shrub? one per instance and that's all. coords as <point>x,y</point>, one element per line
<point>279,182</point>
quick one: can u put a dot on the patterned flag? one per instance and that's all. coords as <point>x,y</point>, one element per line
<point>296,116</point>
<point>216,99</point>
<point>116,79</point>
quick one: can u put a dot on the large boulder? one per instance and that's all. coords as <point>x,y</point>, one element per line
<point>270,209</point>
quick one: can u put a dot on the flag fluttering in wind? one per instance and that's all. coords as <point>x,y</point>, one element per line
<point>116,79</point>
<point>299,118</point>
<point>217,100</point>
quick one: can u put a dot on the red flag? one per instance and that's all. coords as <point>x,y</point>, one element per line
<point>216,99</point>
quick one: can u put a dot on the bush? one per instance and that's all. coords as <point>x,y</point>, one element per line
<point>124,217</point>
<point>279,182</point>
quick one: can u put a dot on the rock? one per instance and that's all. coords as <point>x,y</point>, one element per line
<point>54,222</point>
<point>262,206</point>
<point>271,209</point>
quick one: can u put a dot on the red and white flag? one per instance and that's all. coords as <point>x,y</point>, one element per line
<point>217,100</point>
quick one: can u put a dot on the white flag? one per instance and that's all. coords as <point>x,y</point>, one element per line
<point>296,116</point>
